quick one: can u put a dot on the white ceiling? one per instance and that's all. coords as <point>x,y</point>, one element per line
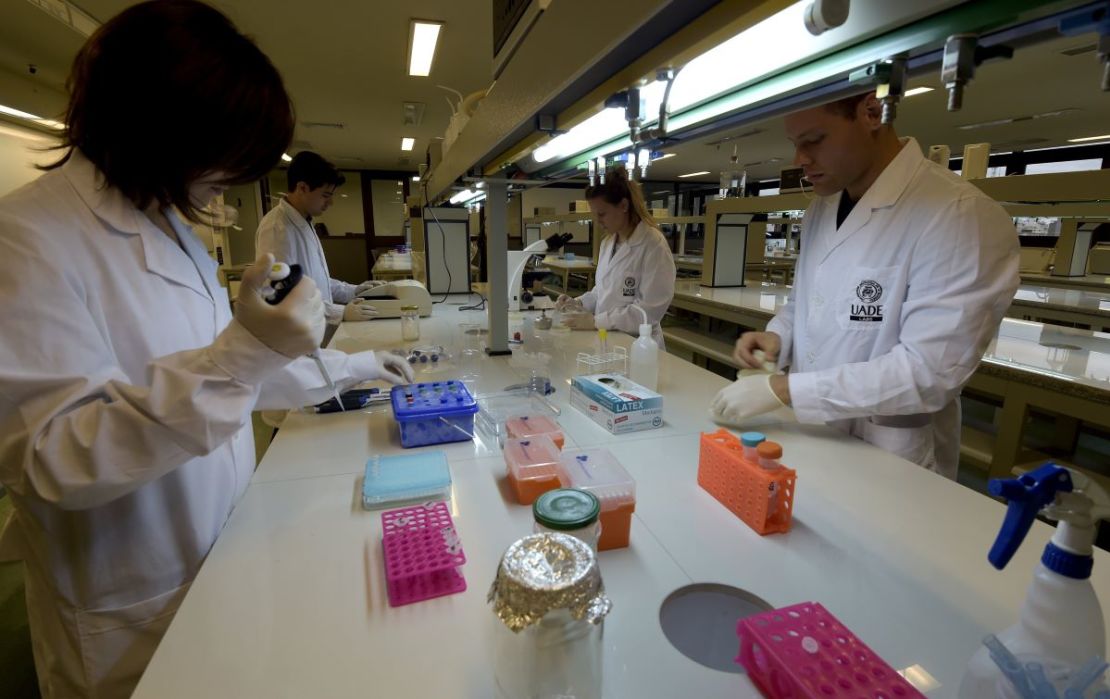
<point>344,61</point>
<point>1037,80</point>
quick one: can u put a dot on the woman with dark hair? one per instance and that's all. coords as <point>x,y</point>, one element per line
<point>635,268</point>
<point>126,387</point>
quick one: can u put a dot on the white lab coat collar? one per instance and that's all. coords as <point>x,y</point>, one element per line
<point>884,192</point>
<point>295,216</point>
<point>639,237</point>
<point>161,255</point>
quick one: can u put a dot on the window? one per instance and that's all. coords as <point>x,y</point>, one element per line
<point>1064,166</point>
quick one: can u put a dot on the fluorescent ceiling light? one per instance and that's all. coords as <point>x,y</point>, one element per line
<point>1089,138</point>
<point>18,114</point>
<point>666,155</point>
<point>754,53</point>
<point>407,143</point>
<point>695,174</point>
<point>423,37</point>
<point>416,178</point>
<point>917,91</point>
<point>27,116</point>
<point>286,158</point>
<point>464,195</point>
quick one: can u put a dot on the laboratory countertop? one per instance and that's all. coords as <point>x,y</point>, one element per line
<point>1087,301</point>
<point>1076,362</point>
<point>577,263</point>
<point>1099,282</point>
<point>1066,359</point>
<point>291,600</point>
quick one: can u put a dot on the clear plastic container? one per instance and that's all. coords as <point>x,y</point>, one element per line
<point>750,441</point>
<point>569,511</point>
<point>533,467</point>
<point>599,472</point>
<point>525,426</point>
<point>410,323</point>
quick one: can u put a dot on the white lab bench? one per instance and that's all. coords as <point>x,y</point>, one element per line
<point>291,601</point>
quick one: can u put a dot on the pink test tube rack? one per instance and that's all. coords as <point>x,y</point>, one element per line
<point>422,554</point>
<point>803,651</point>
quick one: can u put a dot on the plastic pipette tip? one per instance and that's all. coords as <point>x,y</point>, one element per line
<point>1009,665</point>
<point>1042,688</point>
<point>1087,675</point>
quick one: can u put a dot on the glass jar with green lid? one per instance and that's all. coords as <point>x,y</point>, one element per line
<point>569,511</point>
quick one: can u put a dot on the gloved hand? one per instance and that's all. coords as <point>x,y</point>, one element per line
<point>757,350</point>
<point>384,366</point>
<point>580,321</point>
<point>566,304</point>
<point>367,285</point>
<point>358,310</point>
<point>294,327</point>
<point>745,398</point>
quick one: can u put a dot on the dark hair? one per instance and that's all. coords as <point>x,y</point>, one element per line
<point>312,169</point>
<point>168,91</point>
<point>847,106</point>
<point>618,187</point>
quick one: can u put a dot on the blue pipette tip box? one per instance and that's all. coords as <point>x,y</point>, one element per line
<point>433,413</point>
<point>401,478</point>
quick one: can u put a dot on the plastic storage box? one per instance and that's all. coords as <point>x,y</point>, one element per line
<point>804,652</point>
<point>404,478</point>
<point>742,486</point>
<point>422,553</point>
<point>525,426</point>
<point>599,472</point>
<point>533,465</point>
<point>433,413</point>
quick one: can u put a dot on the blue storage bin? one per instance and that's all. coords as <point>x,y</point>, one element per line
<point>433,413</point>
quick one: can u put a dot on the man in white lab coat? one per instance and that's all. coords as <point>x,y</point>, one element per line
<point>126,387</point>
<point>287,233</point>
<point>904,275</point>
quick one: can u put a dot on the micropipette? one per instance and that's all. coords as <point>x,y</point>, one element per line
<point>283,278</point>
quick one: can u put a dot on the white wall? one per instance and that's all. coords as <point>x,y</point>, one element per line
<point>345,214</point>
<point>547,196</point>
<point>20,151</point>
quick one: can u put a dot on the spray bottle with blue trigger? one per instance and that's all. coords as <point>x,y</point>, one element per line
<point>283,278</point>
<point>1061,624</point>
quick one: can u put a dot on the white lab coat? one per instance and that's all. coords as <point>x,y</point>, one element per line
<point>640,275</point>
<point>125,430</point>
<point>284,233</point>
<point>891,313</point>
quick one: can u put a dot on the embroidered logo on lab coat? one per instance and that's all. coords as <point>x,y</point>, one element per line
<point>629,286</point>
<point>869,292</point>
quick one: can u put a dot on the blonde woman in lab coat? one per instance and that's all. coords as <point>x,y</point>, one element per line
<point>126,387</point>
<point>904,276</point>
<point>635,268</point>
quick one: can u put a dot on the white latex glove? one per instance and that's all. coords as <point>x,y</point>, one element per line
<point>580,321</point>
<point>358,310</point>
<point>745,398</point>
<point>367,285</point>
<point>568,304</point>
<point>384,366</point>
<point>294,327</point>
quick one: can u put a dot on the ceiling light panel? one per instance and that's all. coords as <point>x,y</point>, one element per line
<point>423,39</point>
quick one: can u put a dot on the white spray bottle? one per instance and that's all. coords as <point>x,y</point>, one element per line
<point>1061,623</point>
<point>644,357</point>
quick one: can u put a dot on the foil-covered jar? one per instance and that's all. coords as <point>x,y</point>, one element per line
<point>549,605</point>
